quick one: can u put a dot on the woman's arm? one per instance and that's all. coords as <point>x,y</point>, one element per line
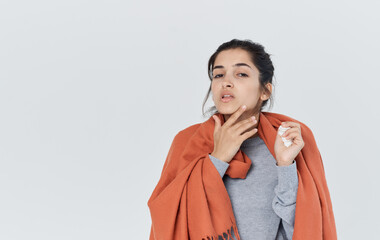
<point>284,202</point>
<point>220,165</point>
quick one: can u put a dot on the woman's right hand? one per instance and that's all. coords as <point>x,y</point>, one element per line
<point>228,138</point>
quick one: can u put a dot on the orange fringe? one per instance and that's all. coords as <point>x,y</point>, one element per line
<point>229,234</point>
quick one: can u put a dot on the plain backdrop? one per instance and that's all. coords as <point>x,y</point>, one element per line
<point>93,92</point>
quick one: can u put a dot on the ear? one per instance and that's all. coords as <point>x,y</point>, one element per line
<point>265,96</point>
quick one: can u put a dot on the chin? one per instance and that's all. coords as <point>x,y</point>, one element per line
<point>227,109</point>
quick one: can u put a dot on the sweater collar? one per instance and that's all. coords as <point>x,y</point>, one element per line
<point>251,142</point>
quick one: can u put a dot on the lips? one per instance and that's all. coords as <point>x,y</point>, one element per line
<point>226,93</point>
<point>227,99</point>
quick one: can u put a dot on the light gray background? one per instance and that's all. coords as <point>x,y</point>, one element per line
<point>93,92</point>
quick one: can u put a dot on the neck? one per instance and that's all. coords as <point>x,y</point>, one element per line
<point>246,116</point>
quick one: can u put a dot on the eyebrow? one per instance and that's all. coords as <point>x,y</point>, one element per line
<point>236,65</point>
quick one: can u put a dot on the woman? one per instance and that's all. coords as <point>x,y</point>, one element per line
<point>233,176</point>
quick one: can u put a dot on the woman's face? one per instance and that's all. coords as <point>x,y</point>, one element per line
<point>235,73</point>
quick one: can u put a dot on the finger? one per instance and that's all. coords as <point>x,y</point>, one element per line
<point>296,139</point>
<point>248,134</point>
<point>235,115</point>
<point>289,131</point>
<point>242,126</point>
<point>291,135</point>
<point>290,124</point>
<point>217,123</point>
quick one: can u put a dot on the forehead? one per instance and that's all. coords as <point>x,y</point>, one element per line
<point>232,56</point>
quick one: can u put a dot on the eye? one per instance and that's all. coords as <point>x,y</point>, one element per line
<point>218,75</point>
<point>242,75</point>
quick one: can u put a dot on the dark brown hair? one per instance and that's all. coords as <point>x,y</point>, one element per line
<point>260,59</point>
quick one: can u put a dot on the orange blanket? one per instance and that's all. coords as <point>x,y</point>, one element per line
<point>190,200</point>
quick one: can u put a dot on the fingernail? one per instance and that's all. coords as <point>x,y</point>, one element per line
<point>244,107</point>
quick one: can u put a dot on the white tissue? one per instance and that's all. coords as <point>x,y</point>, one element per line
<point>281,131</point>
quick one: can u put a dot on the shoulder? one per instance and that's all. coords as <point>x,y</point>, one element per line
<point>287,118</point>
<point>184,134</point>
<point>306,132</point>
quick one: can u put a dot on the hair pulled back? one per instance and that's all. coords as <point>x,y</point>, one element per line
<point>260,58</point>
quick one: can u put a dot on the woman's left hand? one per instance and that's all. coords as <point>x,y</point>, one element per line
<point>286,155</point>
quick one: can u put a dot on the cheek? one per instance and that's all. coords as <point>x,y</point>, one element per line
<point>250,91</point>
<point>212,90</point>
<point>251,94</point>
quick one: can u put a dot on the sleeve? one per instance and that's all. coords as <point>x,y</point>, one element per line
<point>284,202</point>
<point>220,165</point>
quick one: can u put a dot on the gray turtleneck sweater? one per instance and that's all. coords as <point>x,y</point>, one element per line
<point>263,203</point>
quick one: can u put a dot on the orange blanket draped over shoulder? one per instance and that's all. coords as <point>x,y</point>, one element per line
<point>190,200</point>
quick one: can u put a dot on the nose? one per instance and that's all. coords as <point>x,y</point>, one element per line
<point>227,82</point>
